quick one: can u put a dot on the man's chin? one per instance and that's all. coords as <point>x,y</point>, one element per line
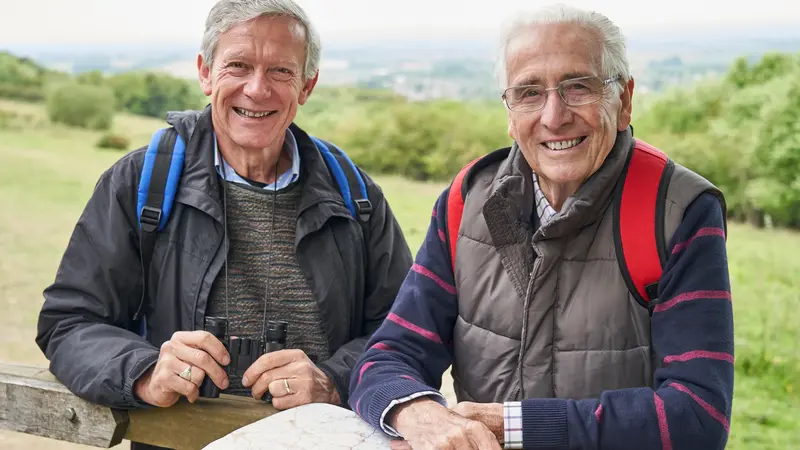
<point>565,173</point>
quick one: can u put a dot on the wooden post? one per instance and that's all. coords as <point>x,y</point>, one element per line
<point>32,401</point>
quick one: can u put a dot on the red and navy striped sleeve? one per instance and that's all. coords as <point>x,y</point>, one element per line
<point>410,351</point>
<point>689,406</point>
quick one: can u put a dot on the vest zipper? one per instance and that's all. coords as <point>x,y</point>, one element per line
<point>519,391</point>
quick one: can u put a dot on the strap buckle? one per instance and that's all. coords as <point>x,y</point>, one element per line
<point>363,209</point>
<point>150,218</point>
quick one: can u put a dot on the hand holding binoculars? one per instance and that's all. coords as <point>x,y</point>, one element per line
<point>243,351</point>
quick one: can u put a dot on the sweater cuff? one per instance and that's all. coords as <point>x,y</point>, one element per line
<point>388,429</point>
<point>387,395</point>
<point>544,423</point>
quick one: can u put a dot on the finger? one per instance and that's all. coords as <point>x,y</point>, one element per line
<point>265,380</point>
<point>168,381</point>
<point>203,360</point>
<point>292,371</point>
<point>292,401</point>
<point>278,387</point>
<point>270,361</point>
<point>482,437</point>
<point>178,366</point>
<point>399,444</point>
<point>205,341</point>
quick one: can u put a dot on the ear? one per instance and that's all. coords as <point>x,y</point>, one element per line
<point>511,129</point>
<point>307,89</point>
<point>204,74</point>
<point>626,106</point>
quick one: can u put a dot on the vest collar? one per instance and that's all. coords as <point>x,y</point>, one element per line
<point>512,193</point>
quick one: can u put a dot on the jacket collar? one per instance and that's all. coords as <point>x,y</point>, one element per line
<point>200,186</point>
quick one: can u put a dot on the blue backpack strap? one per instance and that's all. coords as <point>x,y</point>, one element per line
<point>163,163</point>
<point>351,183</point>
<point>158,184</point>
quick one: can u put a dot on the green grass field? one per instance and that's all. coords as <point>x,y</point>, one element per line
<point>48,172</point>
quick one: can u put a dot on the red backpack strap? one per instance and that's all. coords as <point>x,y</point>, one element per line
<point>455,209</point>
<point>639,220</point>
<point>457,194</point>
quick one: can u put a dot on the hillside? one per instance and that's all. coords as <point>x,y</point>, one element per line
<point>49,172</point>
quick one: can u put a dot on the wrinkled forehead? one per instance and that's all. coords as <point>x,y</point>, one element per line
<point>549,53</point>
<point>277,32</point>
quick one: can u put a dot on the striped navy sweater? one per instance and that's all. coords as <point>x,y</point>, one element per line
<point>689,406</point>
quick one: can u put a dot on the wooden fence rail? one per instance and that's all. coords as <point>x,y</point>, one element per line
<point>32,401</point>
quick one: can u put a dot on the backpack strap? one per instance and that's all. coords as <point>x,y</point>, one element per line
<point>158,183</point>
<point>455,209</point>
<point>639,206</point>
<point>351,183</point>
<point>457,194</point>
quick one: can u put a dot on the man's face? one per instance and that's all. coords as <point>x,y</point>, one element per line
<point>256,82</point>
<point>564,145</point>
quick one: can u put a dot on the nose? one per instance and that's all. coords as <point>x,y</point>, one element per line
<point>257,87</point>
<point>555,113</point>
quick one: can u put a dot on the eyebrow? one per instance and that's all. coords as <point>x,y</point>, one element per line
<point>238,54</point>
<point>566,76</point>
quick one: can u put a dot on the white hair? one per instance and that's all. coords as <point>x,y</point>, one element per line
<point>614,61</point>
<point>228,13</point>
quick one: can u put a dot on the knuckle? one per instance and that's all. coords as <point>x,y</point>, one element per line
<point>201,357</point>
<point>474,427</point>
<point>206,338</point>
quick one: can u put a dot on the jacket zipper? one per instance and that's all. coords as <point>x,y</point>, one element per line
<point>519,390</point>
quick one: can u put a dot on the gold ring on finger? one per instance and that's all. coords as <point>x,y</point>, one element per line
<point>286,384</point>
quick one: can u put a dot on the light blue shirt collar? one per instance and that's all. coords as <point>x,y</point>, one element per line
<point>283,181</point>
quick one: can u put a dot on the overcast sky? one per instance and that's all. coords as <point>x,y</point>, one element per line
<point>140,21</point>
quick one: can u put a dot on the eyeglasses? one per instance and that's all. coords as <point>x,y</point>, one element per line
<point>574,92</point>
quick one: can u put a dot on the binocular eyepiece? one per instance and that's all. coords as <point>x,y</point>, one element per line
<point>243,351</point>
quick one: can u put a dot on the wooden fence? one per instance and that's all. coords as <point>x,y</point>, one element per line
<point>32,401</point>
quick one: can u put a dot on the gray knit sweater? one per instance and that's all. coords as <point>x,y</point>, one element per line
<point>286,291</point>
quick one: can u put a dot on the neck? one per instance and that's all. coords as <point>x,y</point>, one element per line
<point>557,193</point>
<point>261,165</point>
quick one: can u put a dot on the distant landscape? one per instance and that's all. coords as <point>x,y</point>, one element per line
<point>458,69</point>
<point>411,114</point>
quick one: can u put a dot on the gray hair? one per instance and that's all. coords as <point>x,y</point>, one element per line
<point>614,61</point>
<point>228,13</point>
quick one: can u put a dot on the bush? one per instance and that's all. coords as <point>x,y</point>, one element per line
<point>24,93</point>
<point>6,118</point>
<point>81,105</point>
<point>114,141</point>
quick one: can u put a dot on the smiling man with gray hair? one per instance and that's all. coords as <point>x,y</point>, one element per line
<point>577,281</point>
<point>260,230</point>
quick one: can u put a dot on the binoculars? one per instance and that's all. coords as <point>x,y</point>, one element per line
<point>243,351</point>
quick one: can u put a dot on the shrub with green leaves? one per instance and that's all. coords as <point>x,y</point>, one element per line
<point>81,105</point>
<point>114,141</point>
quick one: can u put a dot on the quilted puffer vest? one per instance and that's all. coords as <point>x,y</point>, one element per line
<point>546,312</point>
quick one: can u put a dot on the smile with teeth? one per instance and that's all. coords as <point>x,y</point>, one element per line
<point>251,114</point>
<point>563,145</point>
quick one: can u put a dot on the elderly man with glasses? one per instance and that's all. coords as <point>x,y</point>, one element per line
<point>551,347</point>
